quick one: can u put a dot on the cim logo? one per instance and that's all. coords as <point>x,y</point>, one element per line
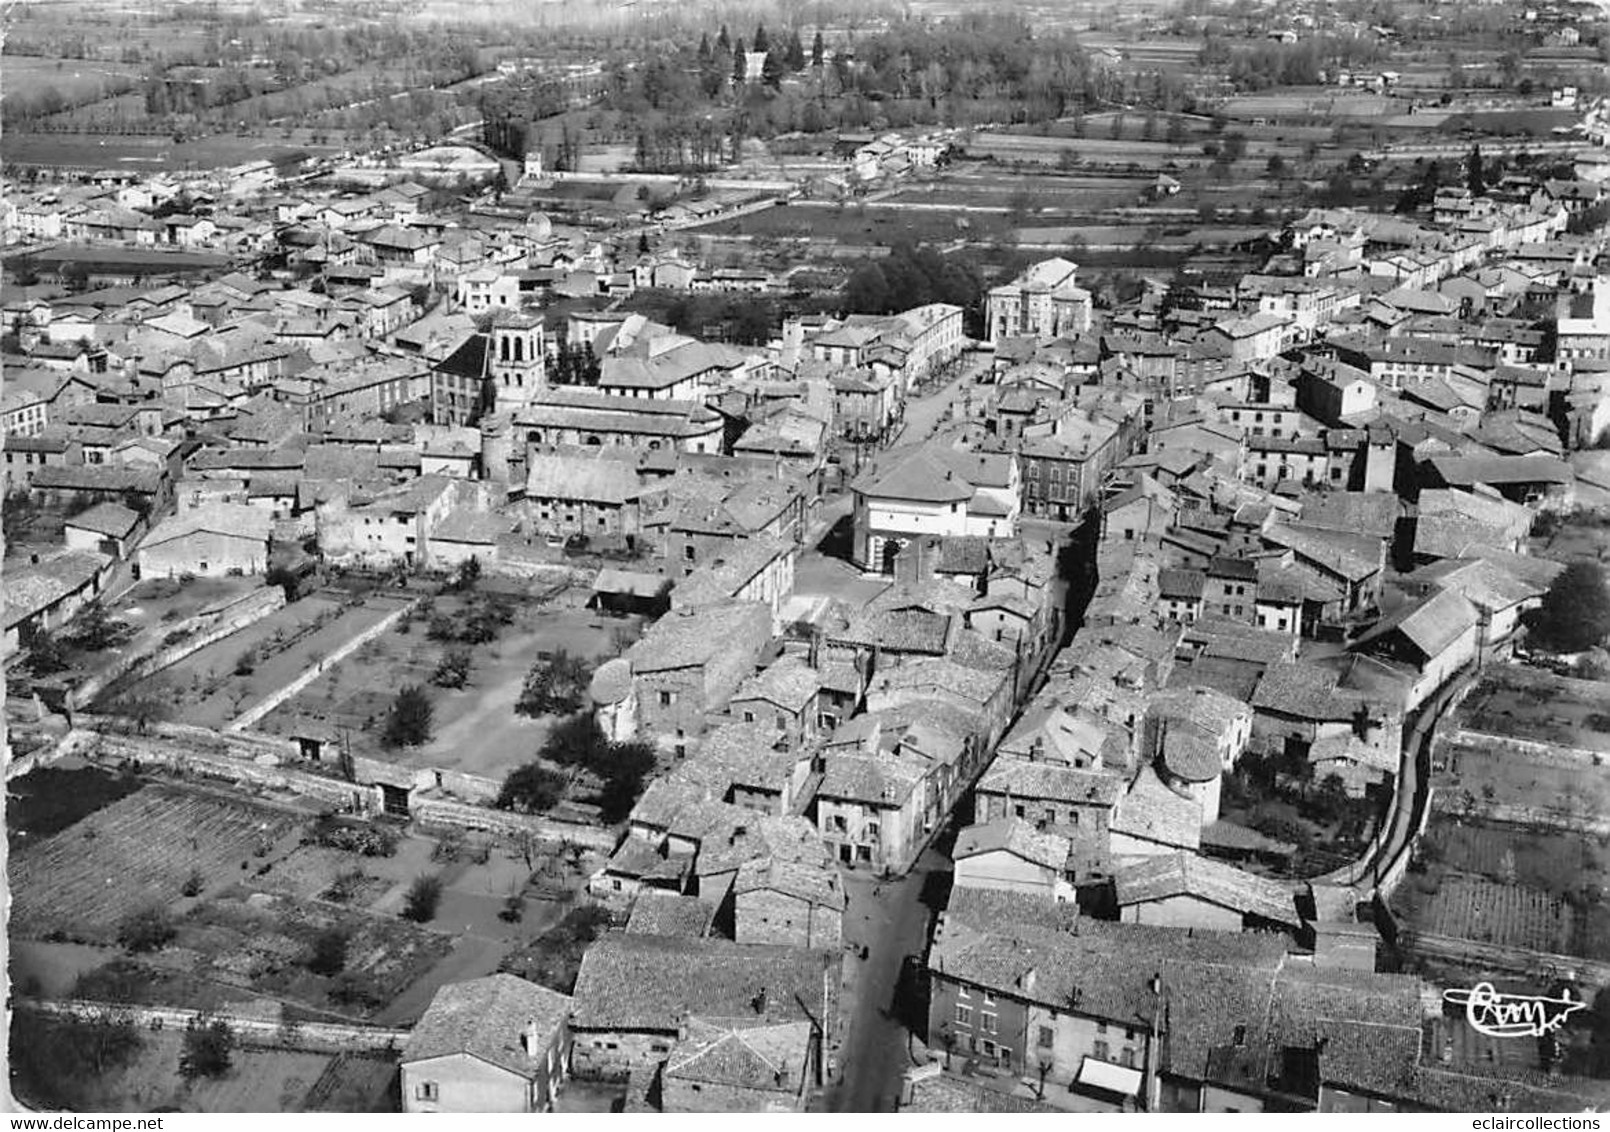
<point>1512,1015</point>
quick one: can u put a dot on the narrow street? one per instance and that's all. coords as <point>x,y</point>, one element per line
<point>890,918</point>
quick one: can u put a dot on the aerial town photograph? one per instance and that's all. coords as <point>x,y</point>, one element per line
<point>817,556</point>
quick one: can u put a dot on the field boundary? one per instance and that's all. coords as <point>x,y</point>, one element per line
<point>316,1037</point>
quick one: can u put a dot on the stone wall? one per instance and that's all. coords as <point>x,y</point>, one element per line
<point>505,823</point>
<point>233,761</point>
<point>204,629</point>
<point>352,645</point>
<point>322,1037</point>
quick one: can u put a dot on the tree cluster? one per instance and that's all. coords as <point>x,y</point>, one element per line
<point>409,722</point>
<point>56,1061</point>
<point>1575,612</point>
<point>909,277</point>
<point>578,743</point>
<point>555,686</point>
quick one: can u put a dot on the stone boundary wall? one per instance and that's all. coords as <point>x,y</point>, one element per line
<point>206,629</point>
<point>322,1037</point>
<point>1547,754</point>
<point>262,761</point>
<point>505,823</point>
<point>279,696</point>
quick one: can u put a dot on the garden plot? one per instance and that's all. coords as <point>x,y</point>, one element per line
<point>231,676</point>
<point>135,853</point>
<point>262,943</point>
<point>1510,915</point>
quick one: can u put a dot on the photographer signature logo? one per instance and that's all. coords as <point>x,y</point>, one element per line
<point>1512,1015</point>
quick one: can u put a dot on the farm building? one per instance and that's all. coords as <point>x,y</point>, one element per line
<point>212,540</point>
<point>498,1044</point>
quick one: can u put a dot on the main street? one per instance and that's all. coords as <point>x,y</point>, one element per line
<point>891,921</point>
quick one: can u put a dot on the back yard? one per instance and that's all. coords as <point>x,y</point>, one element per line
<point>476,729</point>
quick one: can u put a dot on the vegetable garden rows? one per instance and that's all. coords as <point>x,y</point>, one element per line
<point>135,853</point>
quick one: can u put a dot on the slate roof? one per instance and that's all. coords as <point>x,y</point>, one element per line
<point>111,519</point>
<point>234,520</point>
<point>882,779</point>
<point>814,884</point>
<point>670,914</point>
<point>1431,625</point>
<point>1014,836</point>
<point>1150,811</point>
<point>485,1018</point>
<point>1466,470</point>
<point>743,1053</point>
<point>1306,691</point>
<point>691,637</point>
<point>654,983</point>
<point>1186,874</point>
<point>1181,585</point>
<point>921,477</point>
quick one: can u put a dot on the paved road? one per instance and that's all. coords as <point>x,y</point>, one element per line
<point>890,918</point>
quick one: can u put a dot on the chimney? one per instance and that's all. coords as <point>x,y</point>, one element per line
<point>759,1001</point>
<point>1027,980</point>
<point>530,1041</point>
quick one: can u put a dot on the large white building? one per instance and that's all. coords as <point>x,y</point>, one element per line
<point>936,491</point>
<point>1044,302</point>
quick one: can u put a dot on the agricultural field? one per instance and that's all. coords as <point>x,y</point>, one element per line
<point>1509,887</point>
<point>147,152</point>
<point>74,80</point>
<point>476,729</point>
<point>1510,915</point>
<point>1518,702</point>
<point>137,852</point>
<point>862,224</point>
